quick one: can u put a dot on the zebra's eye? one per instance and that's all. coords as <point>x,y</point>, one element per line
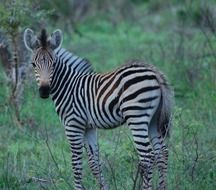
<point>33,64</point>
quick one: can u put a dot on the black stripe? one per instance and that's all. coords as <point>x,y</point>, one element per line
<point>70,56</point>
<point>94,101</point>
<point>140,136</point>
<point>134,108</point>
<point>121,70</point>
<point>79,63</point>
<point>136,80</point>
<point>142,143</point>
<point>138,123</point>
<point>113,103</point>
<point>129,83</point>
<point>58,74</point>
<point>61,92</point>
<point>138,129</point>
<point>88,94</point>
<point>78,96</point>
<point>102,91</point>
<point>75,127</point>
<point>145,100</point>
<point>140,91</point>
<point>62,55</point>
<point>135,116</point>
<point>145,151</point>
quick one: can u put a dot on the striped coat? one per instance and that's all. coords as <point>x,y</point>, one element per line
<point>136,94</point>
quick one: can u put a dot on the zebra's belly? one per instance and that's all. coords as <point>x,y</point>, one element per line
<point>106,123</point>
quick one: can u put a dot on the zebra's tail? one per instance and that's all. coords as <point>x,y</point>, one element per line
<point>165,107</point>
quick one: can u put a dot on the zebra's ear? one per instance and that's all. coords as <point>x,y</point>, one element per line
<point>55,40</point>
<point>30,40</point>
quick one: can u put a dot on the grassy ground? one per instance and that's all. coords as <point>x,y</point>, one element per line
<point>37,156</point>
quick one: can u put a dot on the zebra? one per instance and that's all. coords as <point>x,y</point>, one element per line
<point>136,94</point>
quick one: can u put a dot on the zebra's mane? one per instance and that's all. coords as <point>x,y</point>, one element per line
<point>43,38</point>
<point>77,63</point>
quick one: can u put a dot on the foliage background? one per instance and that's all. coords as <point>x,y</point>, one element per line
<point>176,36</point>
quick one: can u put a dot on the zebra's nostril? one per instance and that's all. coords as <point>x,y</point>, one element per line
<point>44,91</point>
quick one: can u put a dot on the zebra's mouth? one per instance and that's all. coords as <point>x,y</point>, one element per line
<point>44,91</point>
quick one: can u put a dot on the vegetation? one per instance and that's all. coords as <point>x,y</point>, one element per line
<point>176,36</point>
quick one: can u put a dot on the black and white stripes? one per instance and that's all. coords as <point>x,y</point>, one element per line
<point>136,94</point>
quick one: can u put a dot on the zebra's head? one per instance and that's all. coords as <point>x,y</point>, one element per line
<point>43,56</point>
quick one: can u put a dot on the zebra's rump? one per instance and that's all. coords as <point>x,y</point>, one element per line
<point>131,90</point>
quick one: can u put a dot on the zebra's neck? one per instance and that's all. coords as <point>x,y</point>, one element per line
<point>68,68</point>
<point>77,64</point>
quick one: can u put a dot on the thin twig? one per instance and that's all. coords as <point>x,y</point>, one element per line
<point>112,173</point>
<point>136,178</point>
<point>36,179</point>
<point>49,149</point>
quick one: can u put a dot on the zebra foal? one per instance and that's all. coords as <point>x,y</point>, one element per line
<point>136,94</point>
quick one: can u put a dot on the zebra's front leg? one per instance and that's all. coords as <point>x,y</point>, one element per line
<point>75,137</point>
<point>93,155</point>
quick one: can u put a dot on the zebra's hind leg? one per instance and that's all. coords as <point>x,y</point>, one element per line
<point>162,163</point>
<point>93,155</point>
<point>139,129</point>
<point>161,156</point>
<point>162,166</point>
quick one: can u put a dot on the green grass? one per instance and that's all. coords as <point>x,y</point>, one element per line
<point>37,156</point>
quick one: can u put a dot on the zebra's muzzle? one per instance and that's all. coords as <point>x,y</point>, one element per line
<point>44,91</point>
